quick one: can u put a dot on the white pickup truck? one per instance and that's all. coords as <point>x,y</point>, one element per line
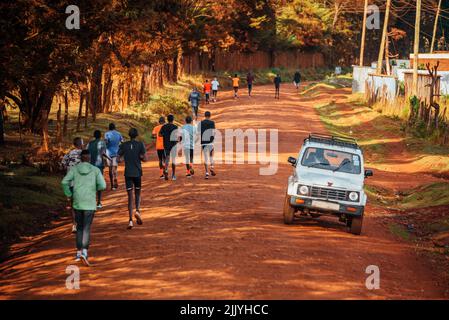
<point>328,179</point>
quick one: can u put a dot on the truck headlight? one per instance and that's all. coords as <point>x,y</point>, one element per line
<point>304,190</point>
<point>353,196</point>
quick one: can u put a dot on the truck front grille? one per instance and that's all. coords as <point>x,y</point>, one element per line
<point>328,194</point>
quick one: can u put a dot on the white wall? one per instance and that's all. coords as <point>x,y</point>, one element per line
<point>359,77</point>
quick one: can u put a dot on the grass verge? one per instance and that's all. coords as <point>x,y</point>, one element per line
<point>29,200</point>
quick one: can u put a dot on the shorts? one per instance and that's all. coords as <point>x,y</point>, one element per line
<point>195,110</point>
<point>171,154</point>
<point>113,162</point>
<point>214,93</point>
<point>207,94</point>
<point>250,86</point>
<point>135,182</point>
<point>236,89</point>
<point>208,151</point>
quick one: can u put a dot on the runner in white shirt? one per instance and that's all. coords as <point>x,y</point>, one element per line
<point>215,84</point>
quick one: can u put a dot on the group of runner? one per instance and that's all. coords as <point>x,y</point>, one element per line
<point>168,136</point>
<point>84,182</point>
<point>212,87</point>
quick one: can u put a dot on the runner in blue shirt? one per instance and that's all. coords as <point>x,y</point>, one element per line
<point>194,99</point>
<point>113,138</point>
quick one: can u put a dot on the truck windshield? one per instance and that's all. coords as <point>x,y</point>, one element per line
<point>332,160</point>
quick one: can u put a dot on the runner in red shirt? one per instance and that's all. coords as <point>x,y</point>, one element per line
<point>207,89</point>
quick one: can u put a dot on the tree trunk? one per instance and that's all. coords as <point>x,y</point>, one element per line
<point>96,90</point>
<point>86,114</point>
<point>66,114</point>
<point>107,90</point>
<point>80,111</point>
<point>44,126</point>
<point>387,54</point>
<point>177,65</point>
<point>142,83</point>
<point>2,127</point>
<point>58,123</point>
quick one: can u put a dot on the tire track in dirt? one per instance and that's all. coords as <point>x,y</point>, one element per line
<point>224,238</point>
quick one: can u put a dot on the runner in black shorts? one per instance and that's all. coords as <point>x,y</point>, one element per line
<point>169,132</point>
<point>207,131</point>
<point>134,153</point>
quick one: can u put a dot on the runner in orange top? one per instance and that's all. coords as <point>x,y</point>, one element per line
<point>235,85</point>
<point>207,88</point>
<point>160,146</point>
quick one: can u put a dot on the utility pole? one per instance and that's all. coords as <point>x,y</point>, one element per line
<point>435,27</point>
<point>362,49</point>
<point>384,37</point>
<point>416,48</point>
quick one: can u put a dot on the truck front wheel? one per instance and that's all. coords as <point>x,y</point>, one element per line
<point>289,211</point>
<point>355,225</point>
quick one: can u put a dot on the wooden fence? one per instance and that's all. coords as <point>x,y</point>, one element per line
<point>241,61</point>
<point>424,84</point>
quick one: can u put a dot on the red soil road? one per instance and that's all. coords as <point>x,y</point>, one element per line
<point>224,238</point>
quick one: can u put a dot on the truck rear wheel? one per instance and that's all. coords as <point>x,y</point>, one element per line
<point>289,211</point>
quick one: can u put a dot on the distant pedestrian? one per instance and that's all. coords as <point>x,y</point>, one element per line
<point>215,84</point>
<point>70,160</point>
<point>85,180</point>
<point>133,152</point>
<point>249,81</point>
<point>297,79</point>
<point>97,150</point>
<point>207,89</point>
<point>160,146</point>
<point>169,132</point>
<point>235,85</point>
<point>194,99</point>
<point>277,86</point>
<point>112,138</point>
<point>188,135</point>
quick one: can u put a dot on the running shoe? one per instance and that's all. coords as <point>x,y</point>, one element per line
<point>138,217</point>
<point>161,177</point>
<point>207,176</point>
<point>166,175</point>
<point>212,172</point>
<point>99,206</point>
<point>173,178</point>
<point>78,256</point>
<point>192,172</point>
<point>74,228</point>
<point>130,225</point>
<point>188,175</point>
<point>84,258</point>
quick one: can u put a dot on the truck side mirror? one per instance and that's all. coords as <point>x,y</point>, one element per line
<point>368,173</point>
<point>292,161</point>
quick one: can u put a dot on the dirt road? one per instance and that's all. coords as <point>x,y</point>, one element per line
<point>224,238</point>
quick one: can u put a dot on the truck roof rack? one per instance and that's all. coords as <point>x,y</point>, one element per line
<point>333,140</point>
